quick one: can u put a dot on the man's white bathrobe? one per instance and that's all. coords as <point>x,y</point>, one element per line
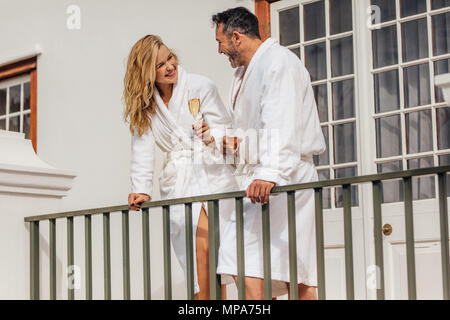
<point>275,99</point>
<point>189,168</point>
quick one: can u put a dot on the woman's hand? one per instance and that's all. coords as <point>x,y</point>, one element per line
<point>135,200</point>
<point>203,131</point>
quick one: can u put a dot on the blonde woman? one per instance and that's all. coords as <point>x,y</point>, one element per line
<point>184,116</point>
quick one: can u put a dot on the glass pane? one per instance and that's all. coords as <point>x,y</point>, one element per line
<point>387,96</point>
<point>314,20</point>
<point>296,51</point>
<point>418,131</point>
<point>2,102</point>
<point>3,124</point>
<point>422,187</point>
<point>26,125</point>
<point>340,16</point>
<point>321,95</point>
<point>387,9</point>
<point>440,67</point>
<point>324,158</point>
<point>326,193</point>
<point>411,7</point>
<point>26,96</point>
<point>346,173</point>
<point>384,43</point>
<point>417,85</point>
<point>415,40</point>
<point>289,26</point>
<point>392,190</point>
<point>445,161</point>
<point>14,99</point>
<point>437,4</point>
<point>443,128</point>
<point>389,139</point>
<point>441,34</point>
<point>344,143</point>
<point>316,61</point>
<point>342,56</point>
<point>14,124</point>
<point>343,100</point>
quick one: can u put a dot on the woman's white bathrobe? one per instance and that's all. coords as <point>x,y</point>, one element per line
<point>189,168</point>
<point>276,101</point>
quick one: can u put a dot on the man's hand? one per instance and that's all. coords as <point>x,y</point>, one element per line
<point>230,145</point>
<point>135,200</point>
<point>259,191</point>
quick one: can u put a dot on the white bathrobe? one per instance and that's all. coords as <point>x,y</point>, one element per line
<point>189,168</point>
<point>275,99</point>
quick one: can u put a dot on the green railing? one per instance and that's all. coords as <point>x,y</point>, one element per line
<point>213,225</point>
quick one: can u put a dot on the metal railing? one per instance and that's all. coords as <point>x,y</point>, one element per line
<point>213,226</point>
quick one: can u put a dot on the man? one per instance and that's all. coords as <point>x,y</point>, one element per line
<point>271,95</point>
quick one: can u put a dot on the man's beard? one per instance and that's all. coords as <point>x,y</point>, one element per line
<point>235,58</point>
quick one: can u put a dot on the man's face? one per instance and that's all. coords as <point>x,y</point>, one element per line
<point>228,47</point>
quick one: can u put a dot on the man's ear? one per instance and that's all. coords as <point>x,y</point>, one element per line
<point>236,37</point>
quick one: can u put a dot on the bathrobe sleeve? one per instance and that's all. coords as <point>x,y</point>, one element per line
<point>142,162</point>
<point>280,139</point>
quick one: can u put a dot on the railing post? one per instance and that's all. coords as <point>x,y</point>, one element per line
<point>189,251</point>
<point>320,246</point>
<point>52,227</point>
<point>409,230</point>
<point>126,254</point>
<point>167,257</point>
<point>377,231</point>
<point>88,255</point>
<point>214,242</point>
<point>70,256</point>
<point>443,214</point>
<point>34,260</point>
<point>348,238</point>
<point>266,252</point>
<point>146,253</point>
<point>240,248</point>
<point>292,226</point>
<point>107,256</point>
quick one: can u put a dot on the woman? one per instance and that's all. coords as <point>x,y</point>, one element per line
<point>161,101</point>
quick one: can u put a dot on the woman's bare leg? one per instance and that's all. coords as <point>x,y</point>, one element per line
<point>305,292</point>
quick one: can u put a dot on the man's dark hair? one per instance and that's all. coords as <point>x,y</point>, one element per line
<point>238,19</point>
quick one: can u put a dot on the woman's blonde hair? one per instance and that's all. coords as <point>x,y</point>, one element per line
<point>139,84</point>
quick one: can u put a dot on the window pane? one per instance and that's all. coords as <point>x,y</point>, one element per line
<point>392,190</point>
<point>412,7</point>
<point>342,56</point>
<point>3,124</point>
<point>386,91</point>
<point>384,42</point>
<point>340,16</point>
<point>326,193</point>
<point>26,96</point>
<point>437,4</point>
<point>445,161</point>
<point>321,95</point>
<point>296,51</point>
<point>346,173</point>
<point>343,100</point>
<point>316,61</point>
<point>289,26</point>
<point>418,131</point>
<point>14,99</point>
<point>423,187</point>
<point>324,158</point>
<point>14,124</point>
<point>417,85</point>
<point>26,125</point>
<point>2,102</point>
<point>443,127</point>
<point>415,40</point>
<point>389,139</point>
<point>440,67</point>
<point>314,20</point>
<point>345,143</point>
<point>387,8</point>
<point>441,34</point>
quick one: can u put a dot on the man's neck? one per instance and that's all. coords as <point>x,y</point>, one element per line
<point>250,52</point>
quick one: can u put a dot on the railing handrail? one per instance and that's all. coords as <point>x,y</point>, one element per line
<point>241,194</point>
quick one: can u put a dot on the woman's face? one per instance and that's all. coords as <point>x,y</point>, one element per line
<point>166,67</point>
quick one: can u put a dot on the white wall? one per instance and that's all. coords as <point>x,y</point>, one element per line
<point>80,127</point>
